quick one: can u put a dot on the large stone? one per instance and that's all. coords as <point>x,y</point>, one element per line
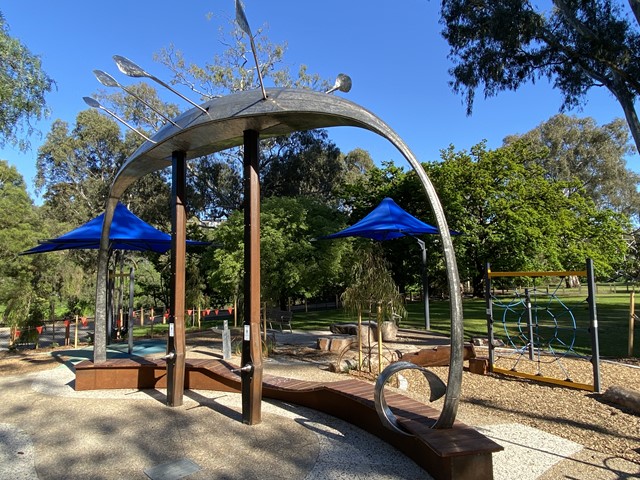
<point>367,334</point>
<point>323,343</point>
<point>389,331</point>
<point>340,344</point>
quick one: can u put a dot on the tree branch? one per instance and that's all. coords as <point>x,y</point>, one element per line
<point>589,35</point>
<point>635,8</point>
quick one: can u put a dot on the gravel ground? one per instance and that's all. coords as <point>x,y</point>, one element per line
<point>609,434</point>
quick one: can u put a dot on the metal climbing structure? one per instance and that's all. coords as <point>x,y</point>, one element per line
<point>533,333</point>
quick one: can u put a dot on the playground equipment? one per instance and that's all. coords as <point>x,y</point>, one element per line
<point>537,326</point>
<point>241,119</point>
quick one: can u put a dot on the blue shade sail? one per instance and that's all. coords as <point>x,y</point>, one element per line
<point>128,232</point>
<point>386,222</point>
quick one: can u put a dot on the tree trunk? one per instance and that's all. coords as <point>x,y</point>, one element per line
<point>625,99</point>
<point>635,8</point>
<point>478,286</point>
<point>629,399</point>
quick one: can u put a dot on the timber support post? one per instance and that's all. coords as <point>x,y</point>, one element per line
<point>251,370</point>
<point>176,336</point>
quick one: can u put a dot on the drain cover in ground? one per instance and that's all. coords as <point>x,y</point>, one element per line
<point>172,470</point>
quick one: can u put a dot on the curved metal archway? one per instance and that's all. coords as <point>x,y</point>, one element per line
<point>283,111</point>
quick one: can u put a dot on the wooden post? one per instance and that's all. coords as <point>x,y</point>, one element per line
<point>379,322</point>
<point>130,312</point>
<point>235,310</point>
<point>251,371</point>
<point>176,336</point>
<point>360,338</point>
<point>632,317</point>
<point>75,340</point>
<point>264,322</point>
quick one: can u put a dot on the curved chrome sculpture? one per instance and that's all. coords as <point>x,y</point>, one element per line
<point>282,112</point>
<point>437,386</point>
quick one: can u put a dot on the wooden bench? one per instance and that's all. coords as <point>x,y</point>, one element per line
<point>460,452</point>
<point>281,318</point>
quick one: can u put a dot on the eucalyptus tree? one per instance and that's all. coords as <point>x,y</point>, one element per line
<point>579,149</point>
<point>292,264</point>
<point>509,213</point>
<point>20,231</point>
<point>23,88</point>
<point>75,165</point>
<point>303,163</point>
<point>499,45</point>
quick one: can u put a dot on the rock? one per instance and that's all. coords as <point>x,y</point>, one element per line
<point>367,334</point>
<point>323,343</point>
<point>339,344</point>
<point>389,331</point>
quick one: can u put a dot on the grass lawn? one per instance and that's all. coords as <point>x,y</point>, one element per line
<point>612,312</point>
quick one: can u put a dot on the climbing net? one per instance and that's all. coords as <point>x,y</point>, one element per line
<point>534,333</point>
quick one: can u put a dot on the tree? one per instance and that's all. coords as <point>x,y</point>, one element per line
<point>511,215</point>
<point>578,149</point>
<point>372,285</point>
<point>75,167</point>
<point>502,44</point>
<point>23,86</point>
<point>303,164</point>
<point>20,231</point>
<point>292,266</point>
<point>300,164</point>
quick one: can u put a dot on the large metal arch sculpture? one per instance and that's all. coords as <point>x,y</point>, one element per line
<point>226,124</point>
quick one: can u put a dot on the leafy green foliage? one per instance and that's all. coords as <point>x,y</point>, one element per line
<point>75,167</point>
<point>514,217</point>
<point>19,232</point>
<point>23,86</point>
<point>578,149</point>
<point>499,45</point>
<point>371,286</point>
<point>292,264</point>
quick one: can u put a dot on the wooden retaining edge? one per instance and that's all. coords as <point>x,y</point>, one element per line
<point>460,452</point>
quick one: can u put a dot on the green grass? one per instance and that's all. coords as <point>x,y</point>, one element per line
<point>612,311</point>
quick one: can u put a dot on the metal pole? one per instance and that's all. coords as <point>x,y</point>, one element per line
<point>593,326</point>
<point>527,299</point>
<point>425,285</point>
<point>251,371</point>
<point>632,317</point>
<point>130,318</point>
<point>176,337</point>
<point>489,310</point>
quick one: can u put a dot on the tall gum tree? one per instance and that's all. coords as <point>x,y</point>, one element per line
<point>23,87</point>
<point>499,45</point>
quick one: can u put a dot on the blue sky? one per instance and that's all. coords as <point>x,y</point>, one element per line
<point>393,52</point>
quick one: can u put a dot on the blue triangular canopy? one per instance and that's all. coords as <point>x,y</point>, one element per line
<point>128,232</point>
<point>386,222</point>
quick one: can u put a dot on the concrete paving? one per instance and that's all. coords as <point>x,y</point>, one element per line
<point>50,431</point>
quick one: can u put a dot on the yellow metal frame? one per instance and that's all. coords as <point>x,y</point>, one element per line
<point>543,379</point>
<point>579,273</point>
